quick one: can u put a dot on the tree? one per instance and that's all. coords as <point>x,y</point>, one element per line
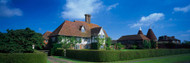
<point>108,43</point>
<point>134,46</point>
<point>20,41</point>
<point>67,42</point>
<point>119,46</point>
<point>186,44</point>
<point>153,44</point>
<point>146,44</point>
<point>100,41</point>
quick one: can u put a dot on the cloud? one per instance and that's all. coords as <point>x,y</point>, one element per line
<point>75,9</point>
<point>148,20</point>
<point>112,6</point>
<point>6,11</point>
<point>182,9</point>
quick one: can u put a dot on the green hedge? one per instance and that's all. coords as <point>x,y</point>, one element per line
<point>36,57</point>
<point>107,56</point>
<point>59,52</point>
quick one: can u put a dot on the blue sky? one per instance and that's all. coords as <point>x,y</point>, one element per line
<point>117,17</point>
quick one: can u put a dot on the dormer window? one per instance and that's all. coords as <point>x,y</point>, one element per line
<point>82,29</point>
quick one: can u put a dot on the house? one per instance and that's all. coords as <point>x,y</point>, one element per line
<point>168,42</point>
<point>167,39</point>
<point>138,39</point>
<point>86,31</point>
<point>46,38</point>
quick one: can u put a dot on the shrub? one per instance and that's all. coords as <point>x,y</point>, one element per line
<point>108,43</point>
<point>146,44</point>
<point>93,55</point>
<point>36,57</point>
<point>134,46</point>
<point>119,46</point>
<point>94,46</point>
<point>59,52</point>
<point>111,55</point>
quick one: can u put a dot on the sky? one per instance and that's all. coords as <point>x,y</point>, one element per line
<point>117,17</point>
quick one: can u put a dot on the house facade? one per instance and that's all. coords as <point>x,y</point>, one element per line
<point>85,31</point>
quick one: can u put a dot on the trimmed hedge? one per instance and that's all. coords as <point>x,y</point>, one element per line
<point>36,57</point>
<point>107,56</point>
<point>59,52</point>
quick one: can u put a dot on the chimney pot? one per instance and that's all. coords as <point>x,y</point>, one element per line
<point>87,18</point>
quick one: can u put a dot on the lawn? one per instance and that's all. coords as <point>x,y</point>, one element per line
<point>164,59</point>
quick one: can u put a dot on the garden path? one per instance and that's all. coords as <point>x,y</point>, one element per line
<point>57,60</point>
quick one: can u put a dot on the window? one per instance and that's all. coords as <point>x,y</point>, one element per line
<point>82,29</point>
<point>77,47</point>
<point>101,36</point>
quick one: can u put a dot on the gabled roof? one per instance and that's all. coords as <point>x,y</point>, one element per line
<point>69,28</point>
<point>95,31</point>
<point>46,34</point>
<point>151,35</point>
<point>133,37</point>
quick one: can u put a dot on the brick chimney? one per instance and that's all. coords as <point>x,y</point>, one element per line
<point>87,18</point>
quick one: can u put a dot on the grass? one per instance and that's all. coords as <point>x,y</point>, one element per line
<point>72,60</point>
<point>48,61</point>
<point>164,59</point>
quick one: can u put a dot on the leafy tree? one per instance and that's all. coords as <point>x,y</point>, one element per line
<point>20,41</point>
<point>108,43</point>
<point>100,41</point>
<point>186,44</point>
<point>119,46</point>
<point>146,44</point>
<point>134,46</point>
<point>153,44</point>
<point>67,42</point>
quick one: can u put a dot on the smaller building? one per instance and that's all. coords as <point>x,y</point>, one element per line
<point>168,42</point>
<point>46,38</point>
<point>167,39</point>
<point>138,39</point>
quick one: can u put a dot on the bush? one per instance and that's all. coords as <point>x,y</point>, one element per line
<point>36,57</point>
<point>94,46</point>
<point>111,55</point>
<point>119,46</point>
<point>59,52</point>
<point>93,55</point>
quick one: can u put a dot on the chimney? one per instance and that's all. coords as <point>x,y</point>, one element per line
<point>87,18</point>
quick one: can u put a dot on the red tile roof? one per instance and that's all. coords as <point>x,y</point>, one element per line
<point>150,35</point>
<point>69,28</point>
<point>46,34</point>
<point>133,37</point>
